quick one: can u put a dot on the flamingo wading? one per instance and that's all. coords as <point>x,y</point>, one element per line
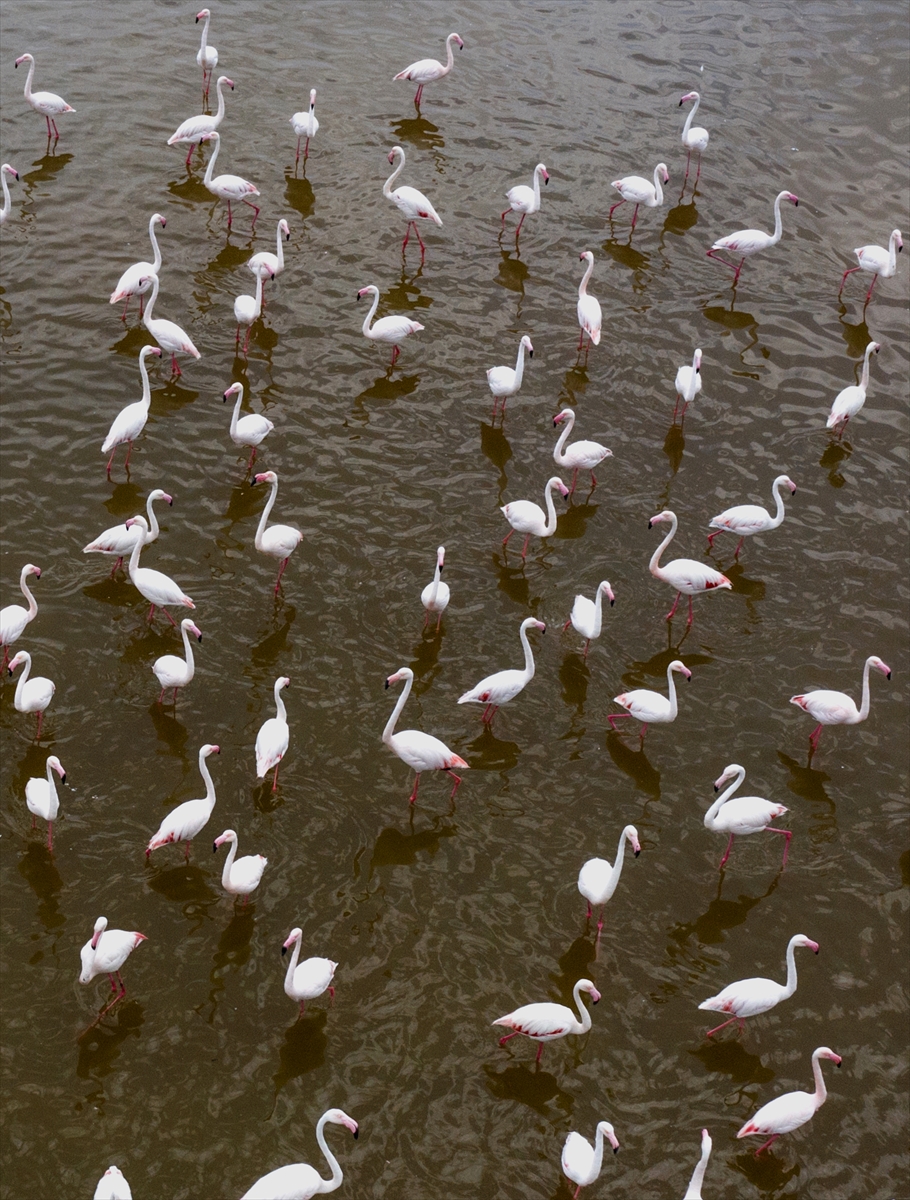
<point>693,137</point>
<point>273,736</point>
<point>587,615</point>
<point>118,540</point>
<point>687,383</point>
<point>207,57</point>
<point>241,877</point>
<point>33,695</point>
<point>196,129</point>
<point>693,1191</point>
<point>746,242</point>
<point>13,617</point>
<point>167,334</point>
<point>504,381</point>
<point>427,70</point>
<point>529,518</point>
<point>250,430</point>
<point>229,188</point>
<point>5,170</point>
<point>159,589</point>
<point>589,314</point>
<point>502,686</point>
<point>186,820</point>
<point>597,880</point>
<point>836,708</point>
<point>280,541</point>
<point>637,190</point>
<point>41,797</point>
<point>435,596</point>
<point>580,456</point>
<point>170,670</point>
<point>848,402</point>
<point>788,1112</point>
<point>390,330</point>
<point>421,751</point>
<point>105,953</point>
<point>877,260</point>
<point>299,1181</point>
<point>136,280</point>
<point>305,125</point>
<point>267,265</point>
<point>524,199</point>
<point>651,708</point>
<point>311,978</point>
<point>46,103</point>
<point>687,576</point>
<point>749,519</point>
<point>743,814</point>
<point>749,997</point>
<point>413,205</point>
<point>546,1021</point>
<point>130,421</point>
<point>581,1162</point>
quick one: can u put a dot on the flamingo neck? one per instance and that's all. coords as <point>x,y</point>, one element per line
<point>722,799</point>
<point>671,687</point>
<point>654,564</point>
<point>450,55</point>
<point>864,381</point>
<point>396,711</point>
<point>257,309</point>
<point>292,967</point>
<point>28,81</point>
<point>153,239</point>
<point>550,526</point>
<point>892,247</point>
<point>219,113</point>
<point>53,799</point>
<point>269,504</point>
<point>436,576</point>
<point>583,286</point>
<point>207,178</point>
<point>582,1011</point>
<point>560,455</point>
<point>228,864</point>
<point>821,1092</point>
<point>146,400</point>
<point>598,621</point>
<point>689,119</point>
<point>620,858</point>
<point>658,190</point>
<point>597,1161</point>
<point>281,713</point>
<point>279,243</point>
<point>235,416</point>
<point>864,706</point>
<point>537,187</point>
<point>529,654</point>
<point>778,223</point>
<point>205,35</point>
<point>519,365</point>
<point>133,565</point>
<point>790,985</point>
<point>693,1192</point>
<point>188,650</point>
<point>23,677</point>
<point>329,1185</point>
<point>147,315</point>
<point>32,602</point>
<point>367,321</point>
<point>8,204</point>
<point>387,186</point>
<point>778,500</point>
<point>209,797</point>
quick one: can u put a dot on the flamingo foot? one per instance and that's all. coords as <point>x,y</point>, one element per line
<point>275,778</point>
<point>412,799</point>
<point>727,852</point>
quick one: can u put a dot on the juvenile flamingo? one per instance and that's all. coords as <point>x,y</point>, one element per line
<point>693,1191</point>
<point>186,820</point>
<point>525,199</point>
<point>299,1181</point>
<point>788,1112</point>
<point>118,540</point>
<point>743,814</point>
<point>130,421</point>
<point>689,577</point>
<point>280,541</point>
<point>112,1186</point>
<point>241,877</point>
<point>273,736</point>
<point>196,129</point>
<point>391,330</point>
<point>207,57</point>
<point>597,880</point>
<point>412,204</point>
<point>638,190</point>
<point>435,596</point>
<point>105,953</point>
<point>589,314</point>
<point>687,383</point>
<point>848,402</point>
<point>5,170</point>
<point>504,381</point>
<point>167,334</point>
<point>427,70</point>
<point>421,751</point>
<point>749,997</point>
<point>693,138</point>
<point>229,187</point>
<point>159,589</point>
<point>41,797</point>
<point>877,260</point>
<point>311,978</point>
<point>587,615</point>
<point>137,279</point>
<point>836,708</point>
<point>544,1022</point>
<point>749,519</point>
<point>651,708</point>
<point>502,686</point>
<point>170,670</point>
<point>305,125</point>
<point>13,617</point>
<point>528,518</point>
<point>46,103</point>
<point>250,430</point>
<point>749,241</point>
<point>581,1162</point>
<point>32,695</point>
<point>580,456</point>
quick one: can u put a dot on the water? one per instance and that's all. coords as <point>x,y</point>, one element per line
<point>202,1078</point>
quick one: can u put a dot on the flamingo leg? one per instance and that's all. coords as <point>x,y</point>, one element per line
<point>577,1192</point>
<point>634,217</point>
<point>616,717</point>
<point>504,540</point>
<point>395,354</point>
<point>419,94</point>
<point>169,617</point>
<point>713,254</point>
<point>815,735</point>
<point>457,779</point>
<point>110,462</point>
<point>38,733</point>
<point>229,214</point>
<point>740,546</point>
<point>161,697</point>
<point>246,343</point>
<point>423,248</point>
<point>676,407</point>
<point>284,563</point>
<point>174,701</point>
<point>438,621</point>
<point>669,616</point>
<point>718,1028</point>
<point>175,366</point>
<point>255,209</point>
<point>849,271</point>
<point>689,619</point>
<point>587,648</point>
<point>574,482</point>
<point>727,852</point>
<point>407,235</point>
<point>116,567</point>
<point>600,921</point>
<point>125,307</point>
<point>765,1145</point>
<point>688,158</point>
<point>249,465</point>
<point>275,778</point>
<point>302,1007</point>
<point>520,223</point>
<point>297,158</point>
<point>712,536</point>
<point>189,153</point>
<point>50,836</point>
<point>614,208</point>
<point>413,796</point>
<point>306,150</point>
<point>129,450</point>
<point>590,912</point>
<point>641,734</point>
<point>539,1052</point>
<point>524,549</point>
<point>503,1040</point>
<point>788,834</point>
<point>508,210</point>
<point>871,286</point>
<point>698,172</point>
<point>186,853</point>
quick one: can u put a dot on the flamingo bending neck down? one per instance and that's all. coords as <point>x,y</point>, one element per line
<point>172,671</point>
<point>118,540</point>
<point>241,877</point>
<point>877,260</point>
<point>229,187</point>
<point>196,129</point>
<point>391,330</point>
<point>274,736</point>
<point>32,695</point>
<point>313,977</point>
<point>848,402</point>
<point>693,1191</point>
<point>587,615</point>
<point>749,241</point>
<point>597,880</point>
<point>412,204</point>
<point>435,596</point>
<point>545,1022</point>
<point>159,589</point>
<point>113,1186</point>
<point>693,139</point>
<point>504,381</point>
<point>249,430</point>
<point>41,797</point>
<point>749,997</point>
<point>788,1112</point>
<point>528,518</point>
<point>580,456</point>
<point>13,617</point>
<point>130,421</point>
<point>689,577</point>
<point>749,519</point>
<point>105,953</point>
<point>502,686</point>
<point>638,190</point>
<point>651,708</point>
<point>186,820</point>
<point>744,814</point>
<point>687,384</point>
<point>427,70</point>
<point>207,57</point>
<point>421,751</point>
<point>299,1181</point>
<point>836,708</point>
<point>589,314</point>
<point>525,199</point>
<point>46,103</point>
<point>167,334</point>
<point>136,280</point>
<point>305,125</point>
<point>280,541</point>
<point>581,1162</point>
<point>5,170</point>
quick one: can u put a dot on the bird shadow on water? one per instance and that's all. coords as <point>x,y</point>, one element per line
<point>732,320</point>
<point>626,255</point>
<point>835,453</point>
<point>303,1050</point>
<point>682,217</point>
<point>674,446</point>
<point>168,729</point>
<point>573,522</point>
<point>710,927</point>
<point>574,675</point>
<point>495,446</point>
<point>729,1057</point>
<point>634,763</point>
<point>418,131</point>
<point>185,885</point>
<point>99,1045</point>
<point>385,389</point>
<point>274,644</point>
<point>809,785</point>
<point>37,868</point>
<point>233,950</point>
<point>857,337</point>
<point>490,753</point>
<point>300,195</point>
<point>512,275</point>
<point>48,166</point>
<point>396,849</point>
<point>529,1085</point>
<point>768,1174</point>
<point>574,964</point>
<point>752,589</point>
<point>133,339</point>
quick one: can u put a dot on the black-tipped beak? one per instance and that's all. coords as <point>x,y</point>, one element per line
<point>284,949</point>
<point>615,1149</point>
<point>356,1134</point>
<point>198,637</point>
<point>650,526</point>
<point>387,683</point>
<point>888,676</point>
<point>717,787</point>
<point>214,847</point>
<point>680,103</point>
<point>637,852</point>
<point>530,354</point>
<point>63,777</point>
<point>612,602</point>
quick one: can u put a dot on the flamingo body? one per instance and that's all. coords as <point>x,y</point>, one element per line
<point>544,1022</point>
<point>598,880</point>
<point>581,1162</point>
<point>33,695</point>
<point>413,205</point>
<point>589,314</point>
<point>749,519</point>
<point>266,265</point>
<point>250,430</point>
<point>207,56</point>
<point>118,540</point>
<point>877,261</point>
<point>112,1186</point>
<point>744,814</point>
<point>46,103</point>
<point>305,125</point>
<point>105,953</point>
<point>688,577</point>
<point>167,334</point>
<point>688,383</point>
<point>749,997</point>
<point>788,1112</point>
<point>505,381</point>
<point>159,589</point>
<point>637,190</point>
<point>136,280</point>
<point>746,242</point>
<point>13,617</point>
<point>5,170</point>
<point>310,978</point>
<point>280,541</point>
<point>194,130</point>
<point>435,596</point>
<point>848,402</point>
<point>391,330</point>
<point>172,671</point>
<point>586,616</point>
<point>299,1181</point>
<point>421,751</point>
<point>228,187</point>
<point>41,797</point>
<point>837,708</point>
<point>503,686</point>
<point>240,876</point>
<point>580,456</point>
<point>130,421</point>
<point>427,70</point>
<point>694,137</point>
<point>247,310</point>
<point>649,707</point>
<point>524,199</point>
<point>528,518</point>
<point>187,819</point>
<point>274,736</point>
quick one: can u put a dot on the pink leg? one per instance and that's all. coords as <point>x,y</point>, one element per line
<point>712,536</point>
<point>587,648</point>
<point>407,235</point>
<point>503,1040</point>
<point>765,1145</point>
<point>423,248</point>
<point>331,991</point>
<point>110,462</point>
<point>788,834</point>
<point>641,733</point>
<point>50,836</point>
<point>814,736</point>
<point>246,343</point>
<point>275,778</point>
<point>849,271</point>
<point>718,1028</point>
<point>614,208</point>
<point>593,482</point>
<point>306,150</point>
<point>577,1192</point>
<point>676,407</point>
<point>174,700</point>
<point>581,339</point>
<point>616,717</point>
<point>169,617</point>
<point>600,921</point>
<point>151,612</point>
<point>284,563</point>
<point>457,779</point>
<point>634,216</point>
<point>871,286</point>
<point>727,851</point>
<point>739,547</point>
<point>38,734</point>
<point>505,214</point>
<point>189,153</point>
<point>413,796</point>
<point>689,620</point>
<point>129,450</point>
<point>249,465</point>
<point>125,307</point>
<point>419,94</point>
<point>574,482</point>
<point>738,269</point>
<point>116,567</point>
<point>518,231</point>
<point>438,621</point>
<point>161,696</point>
<point>175,366</point>
<point>229,214</point>
<point>255,209</point>
<point>713,254</point>
<point>688,158</point>
<point>504,540</point>
<point>186,853</point>
<point>297,159</point>
<point>698,172</point>
<point>539,1052</point>
<point>590,912</point>
<point>669,616</point>
<point>567,624</point>
<point>395,354</point>
<point>524,549</point>
<point>302,1007</point>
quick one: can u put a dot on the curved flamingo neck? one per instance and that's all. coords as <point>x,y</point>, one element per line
<point>821,1092</point>
<point>529,654</point>
<point>269,505</point>
<point>146,398</point>
<point>654,564</point>
<point>188,649</point>
<point>257,308</point>
<point>228,863</point>
<point>597,1161</point>
<point>53,798</point>
<point>722,799</point>
<point>23,676</point>
<point>520,365</point>
<point>387,186</point>
<point>205,35</point>
<point>537,186</point>
<point>28,80</point>
<point>778,223</point>
<point>558,453</point>
<point>583,286</point>
<point>235,416</point>
<point>671,686</point>
<point>367,321</point>
<point>892,249</point>
<point>396,711</point>
<point>32,602</point>
<point>219,88</point>
<point>209,785</point>
<point>864,381</point>
<point>147,315</point>
<point>436,577</point>
<point>154,240</point>
<point>691,117</point>
<point>8,203</point>
<point>279,240</point>
<point>550,525</point>
<point>281,712</point>
<point>598,621</point>
<point>778,500</point>
<point>790,985</point>
<point>153,530</point>
<point>292,966</point>
<point>864,706</point>
<point>207,178</point>
<point>582,1011</point>
<point>693,1192</point>
<point>329,1185</point>
<point>450,55</point>
<point>657,188</point>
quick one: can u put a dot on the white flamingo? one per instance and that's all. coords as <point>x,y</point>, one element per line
<point>250,430</point>
<point>299,1181</point>
<point>247,311</point>
<point>13,617</point>
<point>788,1112</point>
<point>877,260</point>
<point>749,519</point>
<point>651,708</point>
<point>266,264</point>
<point>305,125</point>
<point>743,814</point>
<point>580,456</point>
<point>749,997</point>
<point>687,383</point>
<point>524,199</point>
<point>687,576</point>
<point>159,589</point>
<point>311,978</point>
<point>502,686</point>
<point>435,596</point>
<point>693,1191</point>
<point>505,381</point>
<point>167,334</point>
<point>46,103</point>
<point>421,751</point>
<point>41,797</point>
<point>5,170</point>
<point>280,541</point>
<point>586,615</point>
<point>130,421</point>
<point>229,187</point>
<point>746,242</point>
<point>273,736</point>
<point>170,670</point>
<point>836,708</point>
<point>638,190</point>
<point>693,137</point>
<point>589,314</point>
<point>186,820</point>
<point>848,402</point>
<point>118,540</point>
<point>112,1186</point>
<point>544,1022</point>
<point>136,280</point>
<point>427,70</point>
<point>391,330</point>
<point>597,880</point>
<point>243,876</point>
<point>207,56</point>
<point>196,129</point>
<point>105,953</point>
<point>529,518</point>
<point>581,1162</point>
<point>413,205</point>
<point>32,695</point>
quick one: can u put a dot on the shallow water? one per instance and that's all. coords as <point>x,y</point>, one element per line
<point>202,1079</point>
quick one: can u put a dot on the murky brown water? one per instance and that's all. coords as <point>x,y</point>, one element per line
<point>203,1079</point>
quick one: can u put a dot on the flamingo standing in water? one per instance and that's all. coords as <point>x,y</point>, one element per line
<point>597,880</point>
<point>172,671</point>
<point>130,421</point>
<point>848,402</point>
<point>273,736</point>
<point>788,1112</point>
<point>502,686</point>
<point>504,381</point>
<point>118,540</point>
<point>749,997</point>
<point>689,577</point>
<point>46,103</point>
<point>241,877</point>
<point>228,187</point>
<point>435,596</point>
<point>309,980</point>
<point>32,695</point>
<point>167,334</point>
<point>196,129</point>
<point>250,430</point>
<point>299,1181</point>
<point>427,70</point>
<point>136,280</point>
<point>13,617</point>
<point>280,541</point>
<point>744,814</point>
<point>305,125</point>
<point>589,314</point>
<point>693,1191</point>
<point>186,820</point>
<point>105,953</point>
<point>525,199</point>
<point>693,138</point>
<point>687,383</point>
<point>266,264</point>
<point>207,57</point>
<point>545,1022</point>
<point>836,708</point>
<point>41,797</point>
<point>391,330</point>
<point>638,190</point>
<point>587,615</point>
<point>651,708</point>
<point>159,589</point>
<point>877,260</point>
<point>529,518</point>
<point>581,1162</point>
<point>112,1186</point>
<point>421,751</point>
<point>247,311</point>
<point>412,204</point>
<point>580,456</point>
<point>749,241</point>
<point>5,170</point>
<point>749,519</point>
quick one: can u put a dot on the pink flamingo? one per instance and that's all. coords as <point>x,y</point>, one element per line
<point>749,519</point>
<point>687,383</point>
<point>247,311</point>
<point>274,736</point>
<point>159,589</point>
<point>5,170</point>
<point>689,577</point>
<point>749,997</point>
<point>848,402</point>
<point>836,708</point>
<point>228,187</point>
<point>638,190</point>
<point>544,1022</point>
<point>136,280</point>
<point>305,125</point>
<point>170,670</point>
<point>32,695</point>
<point>186,820</point>
<point>280,541</point>
<point>877,260</point>
<point>207,56</point>
<point>13,617</point>
<point>309,980</point>
<point>581,1162</point>
<point>270,265</point>
<point>194,130</point>
<point>504,381</point>
<point>693,1191</point>
<point>597,880</point>
<point>529,518</point>
<point>130,421</point>
<point>299,1181</point>
<point>250,430</point>
<point>435,596</point>
<point>105,953</point>
<point>46,103</point>
<point>421,751</point>
<point>525,199</point>
<point>589,314</point>
<point>586,616</point>
<point>651,708</point>
<point>693,138</point>
<point>744,814</point>
<point>502,686</point>
<point>580,456</point>
<point>746,242</point>
<point>41,797</point>
<point>788,1112</point>
<point>241,877</point>
<point>412,204</point>
<point>167,334</point>
<point>390,330</point>
<point>427,70</point>
<point>118,540</point>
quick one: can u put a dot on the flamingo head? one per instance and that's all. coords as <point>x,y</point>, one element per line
<point>876,662</point>
<point>666,515</point>
<point>371,288</point>
<point>585,985</point>
<point>140,523</point>
<point>208,749</point>
<point>728,773</point>
<point>236,389</point>
<point>54,763</point>
<point>282,224</point>
<point>100,926</point>
<point>790,484</point>
<point>281,683</point>
<point>680,668</point>
<point>339,1117</point>
<point>159,220</point>
<point>31,569</point>
<point>193,628</point>
<point>631,834</point>
<point>224,79</point>
<point>662,167</point>
<point>25,58</point>
<point>794,200</point>
<point>875,346</point>
<point>396,150</point>
<point>802,940</point>
<point>544,173</point>
<point>266,477</point>
<point>608,591</point>
<point>556,482</point>
<point>689,96</point>
<point>228,836</point>
<point>401,673</point>
<point>17,660</point>
<point>696,362</point>
<point>566,415</point>
<point>526,342</point>
<point>213,135</point>
<point>294,936</point>
<point>147,350</point>
<point>441,557</point>
<point>200,16</point>
<point>586,254</point>
<point>10,170</point>
<point>825,1052</point>
<point>608,1133</point>
<point>453,37</point>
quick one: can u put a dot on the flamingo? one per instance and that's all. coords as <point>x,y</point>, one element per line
<point>589,315</point>
<point>13,617</point>
<point>580,456</point>
<point>247,310</point>
<point>278,540</point>
<point>750,241</point>
<point>788,1112</point>
<point>426,70</point>
<point>502,686</point>
<point>313,976</point>
<point>504,381</point>
<point>136,280</point>
<point>250,430</point>
<point>130,421</point>
<point>877,260</point>
<point>544,1022</point>
<point>41,797</point>
<point>685,574</point>
<point>848,402</point>
<point>243,876</point>
<point>421,751</point>
<point>168,335</point>
<point>105,953</point>
<point>387,329</point>
<point>581,1162</point>
<point>266,264</point>
<point>743,815</point>
<point>113,1186</point>
<point>46,103</point>
<point>32,695</point>
<point>228,187</point>
<point>412,204</point>
<point>586,614</point>
<point>836,708</point>
<point>693,1191</point>
<point>5,170</point>
<point>748,519</point>
<point>638,190</point>
<point>273,736</point>
<point>172,671</point>
<point>159,589</point>
<point>299,1181</point>
<point>597,880</point>
<point>195,129</point>
<point>186,820</point>
<point>525,199</point>
<point>749,997</point>
<point>305,125</point>
<point>693,138</point>
<point>118,540</point>
<point>688,383</point>
<point>651,707</point>
<point>528,518</point>
<point>207,57</point>
<point>435,596</point>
